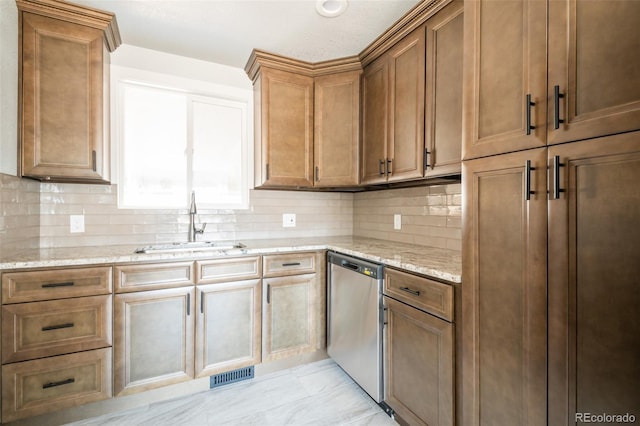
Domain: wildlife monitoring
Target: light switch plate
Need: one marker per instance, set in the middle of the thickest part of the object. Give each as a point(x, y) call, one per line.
point(288, 220)
point(76, 223)
point(397, 221)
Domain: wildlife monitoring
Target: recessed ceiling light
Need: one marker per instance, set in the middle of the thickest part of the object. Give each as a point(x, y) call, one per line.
point(331, 8)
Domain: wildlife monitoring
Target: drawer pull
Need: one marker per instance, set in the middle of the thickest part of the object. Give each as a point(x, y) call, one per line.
point(408, 290)
point(52, 285)
point(57, 326)
point(60, 383)
point(291, 264)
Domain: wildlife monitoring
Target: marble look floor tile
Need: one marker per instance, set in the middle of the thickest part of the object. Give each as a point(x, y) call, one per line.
point(315, 394)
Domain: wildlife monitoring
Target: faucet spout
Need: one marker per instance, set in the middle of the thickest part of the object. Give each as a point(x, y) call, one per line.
point(193, 211)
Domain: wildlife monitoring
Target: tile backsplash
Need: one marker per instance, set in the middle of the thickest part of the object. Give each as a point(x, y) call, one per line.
point(37, 215)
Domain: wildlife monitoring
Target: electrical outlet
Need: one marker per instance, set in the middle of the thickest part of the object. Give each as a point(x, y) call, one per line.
point(76, 223)
point(397, 221)
point(289, 220)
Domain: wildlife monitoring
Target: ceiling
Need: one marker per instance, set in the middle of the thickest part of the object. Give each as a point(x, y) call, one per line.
point(226, 31)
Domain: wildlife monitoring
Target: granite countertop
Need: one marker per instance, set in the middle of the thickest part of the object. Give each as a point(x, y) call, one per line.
point(434, 262)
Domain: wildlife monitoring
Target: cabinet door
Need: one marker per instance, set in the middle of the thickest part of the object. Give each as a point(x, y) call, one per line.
point(375, 110)
point(285, 130)
point(153, 339)
point(596, 71)
point(290, 316)
point(62, 97)
point(406, 106)
point(419, 365)
point(505, 51)
point(443, 118)
point(504, 296)
point(228, 327)
point(337, 129)
point(594, 332)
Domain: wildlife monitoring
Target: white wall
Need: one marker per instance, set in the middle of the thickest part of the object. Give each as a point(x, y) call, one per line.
point(8, 87)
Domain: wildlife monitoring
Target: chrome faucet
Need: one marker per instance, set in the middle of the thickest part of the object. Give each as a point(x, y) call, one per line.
point(193, 211)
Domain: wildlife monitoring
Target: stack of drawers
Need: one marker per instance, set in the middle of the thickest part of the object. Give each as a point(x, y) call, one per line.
point(56, 339)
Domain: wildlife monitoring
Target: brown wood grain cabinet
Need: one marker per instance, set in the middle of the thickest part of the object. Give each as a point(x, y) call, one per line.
point(393, 113)
point(419, 349)
point(56, 339)
point(153, 339)
point(63, 91)
point(294, 300)
point(443, 92)
point(336, 138)
point(516, 96)
point(229, 314)
point(504, 290)
point(550, 290)
point(594, 332)
point(283, 103)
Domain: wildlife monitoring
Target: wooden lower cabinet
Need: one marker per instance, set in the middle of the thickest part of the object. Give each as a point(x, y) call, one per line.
point(594, 253)
point(153, 339)
point(39, 386)
point(419, 365)
point(504, 287)
point(228, 326)
point(290, 316)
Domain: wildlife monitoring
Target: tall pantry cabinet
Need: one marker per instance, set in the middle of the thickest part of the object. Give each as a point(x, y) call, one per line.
point(552, 160)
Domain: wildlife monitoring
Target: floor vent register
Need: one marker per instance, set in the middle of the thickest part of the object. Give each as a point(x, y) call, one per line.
point(227, 377)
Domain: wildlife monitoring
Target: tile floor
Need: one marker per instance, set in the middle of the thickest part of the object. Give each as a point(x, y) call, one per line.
point(319, 393)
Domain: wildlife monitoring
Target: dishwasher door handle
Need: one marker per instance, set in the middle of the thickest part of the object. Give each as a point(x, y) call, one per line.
point(349, 265)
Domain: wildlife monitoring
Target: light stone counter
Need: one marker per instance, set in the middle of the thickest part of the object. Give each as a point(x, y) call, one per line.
point(434, 262)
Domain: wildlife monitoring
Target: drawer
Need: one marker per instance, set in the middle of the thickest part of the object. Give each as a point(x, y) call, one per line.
point(43, 385)
point(41, 329)
point(224, 270)
point(430, 296)
point(48, 284)
point(279, 265)
point(153, 276)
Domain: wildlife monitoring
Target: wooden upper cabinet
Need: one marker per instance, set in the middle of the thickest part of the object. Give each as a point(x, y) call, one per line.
point(594, 62)
point(284, 129)
point(505, 53)
point(375, 108)
point(64, 115)
point(443, 93)
point(337, 129)
point(593, 84)
point(393, 113)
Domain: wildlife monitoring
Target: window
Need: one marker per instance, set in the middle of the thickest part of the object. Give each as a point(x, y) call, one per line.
point(172, 141)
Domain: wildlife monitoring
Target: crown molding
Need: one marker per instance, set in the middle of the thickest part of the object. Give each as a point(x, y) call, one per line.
point(82, 15)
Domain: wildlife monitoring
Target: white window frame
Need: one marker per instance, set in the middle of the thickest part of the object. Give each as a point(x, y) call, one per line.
point(194, 90)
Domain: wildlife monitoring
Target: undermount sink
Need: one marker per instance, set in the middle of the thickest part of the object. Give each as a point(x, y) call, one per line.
point(190, 246)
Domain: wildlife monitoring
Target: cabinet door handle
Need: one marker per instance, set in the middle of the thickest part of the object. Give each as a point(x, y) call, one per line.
point(188, 304)
point(556, 107)
point(202, 302)
point(408, 290)
point(94, 160)
point(291, 264)
point(58, 326)
point(60, 383)
point(381, 169)
point(389, 161)
point(426, 159)
point(268, 293)
point(528, 106)
point(317, 174)
point(527, 181)
point(556, 177)
point(53, 285)
point(267, 171)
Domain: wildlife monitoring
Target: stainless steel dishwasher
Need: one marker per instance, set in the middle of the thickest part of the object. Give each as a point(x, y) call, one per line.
point(354, 316)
